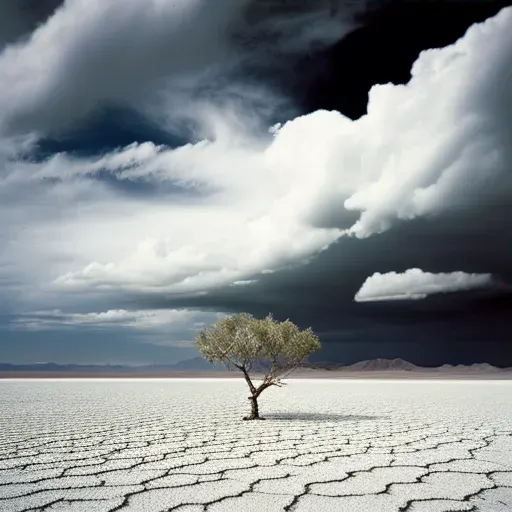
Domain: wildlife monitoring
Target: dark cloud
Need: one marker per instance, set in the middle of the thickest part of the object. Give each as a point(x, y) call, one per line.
point(105, 130)
point(18, 18)
point(471, 236)
point(119, 52)
point(457, 328)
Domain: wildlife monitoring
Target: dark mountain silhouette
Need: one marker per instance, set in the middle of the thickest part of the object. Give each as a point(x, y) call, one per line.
point(380, 365)
point(197, 364)
point(383, 364)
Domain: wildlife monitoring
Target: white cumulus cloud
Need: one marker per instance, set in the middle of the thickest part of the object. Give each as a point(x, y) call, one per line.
point(417, 284)
point(435, 144)
point(251, 203)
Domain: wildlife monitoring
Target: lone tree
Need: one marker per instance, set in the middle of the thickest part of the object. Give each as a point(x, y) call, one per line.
point(248, 344)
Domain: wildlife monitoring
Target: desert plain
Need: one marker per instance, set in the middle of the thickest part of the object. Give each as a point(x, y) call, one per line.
point(339, 445)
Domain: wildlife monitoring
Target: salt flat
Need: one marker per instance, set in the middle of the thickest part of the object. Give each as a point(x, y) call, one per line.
point(155, 445)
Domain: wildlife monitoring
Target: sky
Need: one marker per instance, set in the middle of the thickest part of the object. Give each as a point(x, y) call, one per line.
point(346, 165)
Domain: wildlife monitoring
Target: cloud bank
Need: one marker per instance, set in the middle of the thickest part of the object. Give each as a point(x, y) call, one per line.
point(417, 284)
point(235, 202)
point(167, 322)
point(144, 54)
point(416, 153)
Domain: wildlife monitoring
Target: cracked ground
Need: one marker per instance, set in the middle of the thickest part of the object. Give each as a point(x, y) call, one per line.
point(181, 445)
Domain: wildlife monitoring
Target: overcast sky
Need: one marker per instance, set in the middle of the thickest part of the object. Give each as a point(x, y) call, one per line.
point(347, 165)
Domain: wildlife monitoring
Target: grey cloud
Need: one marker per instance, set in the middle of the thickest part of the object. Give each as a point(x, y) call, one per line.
point(320, 294)
point(18, 18)
point(465, 227)
point(92, 53)
point(144, 320)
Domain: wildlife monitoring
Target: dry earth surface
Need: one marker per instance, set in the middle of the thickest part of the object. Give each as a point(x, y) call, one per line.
point(327, 445)
point(303, 373)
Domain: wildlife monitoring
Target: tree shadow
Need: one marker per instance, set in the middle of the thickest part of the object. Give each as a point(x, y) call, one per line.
point(312, 416)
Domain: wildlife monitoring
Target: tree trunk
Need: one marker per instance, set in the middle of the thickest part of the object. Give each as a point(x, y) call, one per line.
point(254, 409)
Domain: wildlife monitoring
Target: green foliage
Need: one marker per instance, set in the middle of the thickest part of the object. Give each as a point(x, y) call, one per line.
point(244, 342)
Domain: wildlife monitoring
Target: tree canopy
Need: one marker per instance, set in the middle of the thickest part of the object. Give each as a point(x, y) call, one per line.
point(265, 346)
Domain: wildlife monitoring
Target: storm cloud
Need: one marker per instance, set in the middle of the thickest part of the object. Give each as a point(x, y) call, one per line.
point(259, 211)
point(244, 202)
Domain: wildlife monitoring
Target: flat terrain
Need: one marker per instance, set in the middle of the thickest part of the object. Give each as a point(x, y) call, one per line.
point(299, 374)
point(327, 445)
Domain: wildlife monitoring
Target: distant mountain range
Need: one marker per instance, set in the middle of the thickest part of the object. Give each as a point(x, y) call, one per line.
point(380, 365)
point(195, 364)
point(198, 364)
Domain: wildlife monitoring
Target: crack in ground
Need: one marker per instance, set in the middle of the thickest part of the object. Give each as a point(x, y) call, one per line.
point(207, 448)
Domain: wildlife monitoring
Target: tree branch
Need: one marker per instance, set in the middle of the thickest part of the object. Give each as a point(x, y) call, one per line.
point(248, 379)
